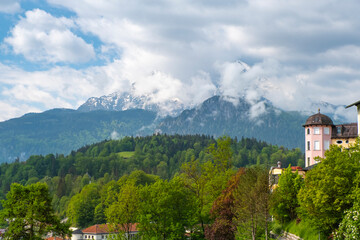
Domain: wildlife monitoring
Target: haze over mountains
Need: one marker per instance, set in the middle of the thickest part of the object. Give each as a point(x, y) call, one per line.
point(118, 115)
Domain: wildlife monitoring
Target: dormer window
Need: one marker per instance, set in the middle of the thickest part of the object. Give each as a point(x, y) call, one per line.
point(338, 129)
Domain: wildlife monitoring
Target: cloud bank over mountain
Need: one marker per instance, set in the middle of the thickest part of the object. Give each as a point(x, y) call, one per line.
point(60, 53)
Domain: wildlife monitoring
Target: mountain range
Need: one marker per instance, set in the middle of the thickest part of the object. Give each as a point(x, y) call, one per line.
point(117, 115)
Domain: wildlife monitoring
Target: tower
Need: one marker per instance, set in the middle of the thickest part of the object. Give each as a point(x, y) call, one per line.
point(318, 130)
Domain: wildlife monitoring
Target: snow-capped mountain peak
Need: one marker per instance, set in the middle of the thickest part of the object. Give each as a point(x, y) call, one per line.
point(120, 101)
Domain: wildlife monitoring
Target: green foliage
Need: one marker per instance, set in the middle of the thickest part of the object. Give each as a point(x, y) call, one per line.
point(142, 159)
point(223, 211)
point(29, 214)
point(81, 209)
point(350, 225)
point(207, 180)
point(221, 153)
point(252, 203)
point(166, 210)
point(276, 228)
point(303, 229)
point(284, 200)
point(328, 188)
point(123, 212)
point(126, 154)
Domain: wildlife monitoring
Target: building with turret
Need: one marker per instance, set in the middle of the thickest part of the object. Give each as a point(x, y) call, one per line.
point(320, 133)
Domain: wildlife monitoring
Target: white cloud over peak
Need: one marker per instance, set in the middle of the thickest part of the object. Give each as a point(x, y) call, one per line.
point(40, 37)
point(295, 53)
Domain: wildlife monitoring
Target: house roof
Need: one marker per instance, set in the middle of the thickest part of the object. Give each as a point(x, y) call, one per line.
point(310, 167)
point(98, 228)
point(318, 119)
point(77, 231)
point(104, 228)
point(345, 131)
point(54, 238)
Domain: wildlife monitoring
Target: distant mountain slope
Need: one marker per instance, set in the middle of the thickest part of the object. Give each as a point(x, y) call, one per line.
point(217, 116)
point(63, 130)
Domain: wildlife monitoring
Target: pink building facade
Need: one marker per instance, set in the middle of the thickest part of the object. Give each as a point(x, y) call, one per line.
point(318, 131)
point(317, 141)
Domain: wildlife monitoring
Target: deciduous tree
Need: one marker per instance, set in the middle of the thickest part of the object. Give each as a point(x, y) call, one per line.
point(252, 203)
point(223, 211)
point(123, 213)
point(328, 188)
point(166, 210)
point(27, 209)
point(284, 201)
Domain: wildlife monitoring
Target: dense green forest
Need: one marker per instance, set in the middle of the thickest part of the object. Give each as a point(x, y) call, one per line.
point(161, 155)
point(178, 186)
point(89, 184)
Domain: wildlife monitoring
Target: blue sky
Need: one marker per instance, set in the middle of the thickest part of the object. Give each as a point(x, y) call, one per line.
point(59, 53)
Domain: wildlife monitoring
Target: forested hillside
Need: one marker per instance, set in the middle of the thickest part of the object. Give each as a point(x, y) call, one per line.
point(160, 155)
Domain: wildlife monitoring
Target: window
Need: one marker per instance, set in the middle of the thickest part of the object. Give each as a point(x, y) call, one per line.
point(308, 161)
point(308, 145)
point(316, 130)
point(326, 145)
point(339, 142)
point(347, 141)
point(326, 131)
point(308, 131)
point(338, 129)
point(316, 145)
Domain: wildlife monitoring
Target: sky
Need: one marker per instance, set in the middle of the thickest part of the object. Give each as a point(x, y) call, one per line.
point(296, 54)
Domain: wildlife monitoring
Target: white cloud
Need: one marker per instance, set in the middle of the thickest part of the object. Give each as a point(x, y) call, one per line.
point(41, 37)
point(9, 6)
point(296, 52)
point(11, 110)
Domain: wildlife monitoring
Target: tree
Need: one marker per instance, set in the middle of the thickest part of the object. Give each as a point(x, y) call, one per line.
point(224, 227)
point(328, 188)
point(166, 210)
point(284, 201)
point(207, 180)
point(222, 152)
point(349, 227)
point(123, 213)
point(29, 214)
point(81, 208)
point(252, 203)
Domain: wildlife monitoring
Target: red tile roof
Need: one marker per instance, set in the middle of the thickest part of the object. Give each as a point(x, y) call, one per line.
point(98, 228)
point(54, 238)
point(104, 228)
